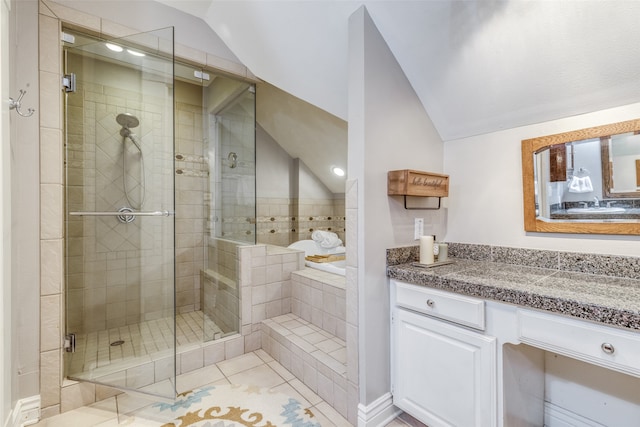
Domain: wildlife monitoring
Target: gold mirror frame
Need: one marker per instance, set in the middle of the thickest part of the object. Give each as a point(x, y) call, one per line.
point(534, 145)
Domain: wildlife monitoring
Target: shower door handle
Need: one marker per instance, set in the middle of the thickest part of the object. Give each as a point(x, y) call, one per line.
point(118, 213)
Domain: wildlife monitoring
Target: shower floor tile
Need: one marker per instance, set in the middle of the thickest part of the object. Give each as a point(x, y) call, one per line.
point(118, 349)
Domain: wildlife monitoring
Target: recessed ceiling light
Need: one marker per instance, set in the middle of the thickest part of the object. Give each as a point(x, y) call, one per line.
point(338, 171)
point(134, 53)
point(113, 47)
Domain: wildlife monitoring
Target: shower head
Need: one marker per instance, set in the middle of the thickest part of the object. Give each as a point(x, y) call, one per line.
point(127, 120)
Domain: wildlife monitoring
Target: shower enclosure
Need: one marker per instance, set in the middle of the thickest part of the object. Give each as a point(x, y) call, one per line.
point(149, 267)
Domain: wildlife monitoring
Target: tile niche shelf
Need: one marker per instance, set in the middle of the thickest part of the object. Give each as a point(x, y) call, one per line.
point(412, 183)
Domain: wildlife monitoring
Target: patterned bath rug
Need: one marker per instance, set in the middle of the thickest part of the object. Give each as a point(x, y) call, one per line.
point(227, 406)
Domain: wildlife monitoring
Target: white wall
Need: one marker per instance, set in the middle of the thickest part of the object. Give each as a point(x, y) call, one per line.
point(280, 176)
point(625, 150)
point(485, 196)
point(274, 168)
point(388, 130)
point(310, 187)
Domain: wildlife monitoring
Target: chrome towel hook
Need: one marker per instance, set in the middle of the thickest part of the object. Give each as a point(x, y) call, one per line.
point(15, 104)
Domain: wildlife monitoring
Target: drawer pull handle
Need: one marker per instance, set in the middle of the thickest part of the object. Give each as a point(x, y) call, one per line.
point(608, 348)
point(431, 303)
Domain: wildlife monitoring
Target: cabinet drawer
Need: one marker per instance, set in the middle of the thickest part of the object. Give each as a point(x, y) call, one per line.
point(445, 305)
point(601, 345)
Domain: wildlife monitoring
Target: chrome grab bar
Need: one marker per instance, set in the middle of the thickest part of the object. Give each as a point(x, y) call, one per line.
point(117, 213)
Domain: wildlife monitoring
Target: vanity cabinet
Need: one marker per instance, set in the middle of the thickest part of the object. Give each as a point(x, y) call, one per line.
point(458, 360)
point(443, 373)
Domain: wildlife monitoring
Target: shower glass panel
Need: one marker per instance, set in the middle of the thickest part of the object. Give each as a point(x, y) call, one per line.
point(229, 122)
point(120, 274)
point(232, 134)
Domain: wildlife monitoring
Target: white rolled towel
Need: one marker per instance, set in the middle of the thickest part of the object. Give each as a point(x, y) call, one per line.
point(326, 239)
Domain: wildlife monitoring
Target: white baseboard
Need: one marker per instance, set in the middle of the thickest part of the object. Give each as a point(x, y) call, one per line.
point(25, 413)
point(378, 413)
point(555, 416)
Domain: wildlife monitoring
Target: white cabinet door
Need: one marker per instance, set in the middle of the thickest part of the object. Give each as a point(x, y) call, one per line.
point(443, 374)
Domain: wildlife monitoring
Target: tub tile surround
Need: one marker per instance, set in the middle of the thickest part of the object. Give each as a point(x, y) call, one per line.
point(315, 357)
point(320, 298)
point(328, 215)
point(310, 341)
point(600, 288)
point(352, 301)
point(282, 221)
point(298, 316)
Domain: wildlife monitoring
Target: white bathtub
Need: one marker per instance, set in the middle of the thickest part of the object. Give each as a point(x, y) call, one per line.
point(311, 248)
point(336, 267)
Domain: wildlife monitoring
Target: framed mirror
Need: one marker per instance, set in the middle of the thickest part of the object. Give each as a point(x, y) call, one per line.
point(583, 181)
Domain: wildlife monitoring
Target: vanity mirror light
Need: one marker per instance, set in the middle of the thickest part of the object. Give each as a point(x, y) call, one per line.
point(583, 181)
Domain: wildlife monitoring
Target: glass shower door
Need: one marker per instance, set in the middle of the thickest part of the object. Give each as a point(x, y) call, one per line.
point(120, 257)
point(229, 107)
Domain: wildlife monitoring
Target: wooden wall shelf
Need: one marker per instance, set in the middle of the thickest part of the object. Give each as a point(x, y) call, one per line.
point(407, 182)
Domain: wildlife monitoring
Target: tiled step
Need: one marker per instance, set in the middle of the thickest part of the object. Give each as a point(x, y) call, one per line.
point(311, 354)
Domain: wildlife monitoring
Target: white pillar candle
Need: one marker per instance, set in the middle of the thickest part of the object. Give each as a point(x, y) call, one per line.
point(426, 250)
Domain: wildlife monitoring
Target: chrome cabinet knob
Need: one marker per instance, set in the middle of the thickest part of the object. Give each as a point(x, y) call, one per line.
point(431, 303)
point(607, 348)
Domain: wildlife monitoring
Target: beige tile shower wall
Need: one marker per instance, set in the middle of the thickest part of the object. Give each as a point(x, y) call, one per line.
point(75, 157)
point(220, 289)
point(191, 175)
point(223, 257)
point(124, 270)
point(221, 304)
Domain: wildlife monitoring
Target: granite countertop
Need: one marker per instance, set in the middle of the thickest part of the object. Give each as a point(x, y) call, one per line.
point(605, 299)
point(628, 214)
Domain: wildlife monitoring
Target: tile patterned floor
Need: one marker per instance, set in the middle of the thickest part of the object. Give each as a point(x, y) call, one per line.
point(256, 368)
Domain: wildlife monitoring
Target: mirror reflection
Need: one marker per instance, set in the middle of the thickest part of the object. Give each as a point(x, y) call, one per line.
point(584, 181)
point(621, 163)
point(589, 179)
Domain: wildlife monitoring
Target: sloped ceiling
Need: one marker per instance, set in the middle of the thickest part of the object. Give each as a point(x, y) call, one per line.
point(477, 66)
point(304, 131)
